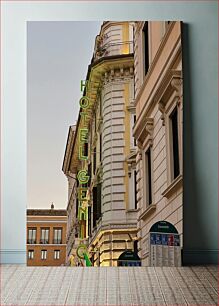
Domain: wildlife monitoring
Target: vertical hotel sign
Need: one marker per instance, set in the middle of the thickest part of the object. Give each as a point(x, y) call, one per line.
point(82, 175)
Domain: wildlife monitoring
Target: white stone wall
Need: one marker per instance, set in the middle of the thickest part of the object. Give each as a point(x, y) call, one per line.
point(113, 153)
point(116, 95)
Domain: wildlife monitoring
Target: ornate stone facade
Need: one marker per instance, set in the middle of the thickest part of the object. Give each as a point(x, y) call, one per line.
point(158, 99)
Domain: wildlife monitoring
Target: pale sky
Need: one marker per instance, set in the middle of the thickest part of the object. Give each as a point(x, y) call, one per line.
point(58, 54)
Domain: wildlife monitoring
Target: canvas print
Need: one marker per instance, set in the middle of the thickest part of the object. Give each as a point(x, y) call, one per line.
point(122, 151)
point(120, 205)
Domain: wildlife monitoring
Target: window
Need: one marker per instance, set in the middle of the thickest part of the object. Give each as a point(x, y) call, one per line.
point(89, 220)
point(31, 236)
point(148, 177)
point(96, 203)
point(86, 149)
point(145, 48)
point(132, 192)
point(99, 195)
point(57, 238)
point(43, 254)
point(30, 254)
point(135, 188)
point(44, 236)
point(57, 254)
point(135, 144)
point(175, 143)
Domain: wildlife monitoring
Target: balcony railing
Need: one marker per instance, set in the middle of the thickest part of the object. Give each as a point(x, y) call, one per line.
point(57, 241)
point(31, 241)
point(114, 48)
point(44, 241)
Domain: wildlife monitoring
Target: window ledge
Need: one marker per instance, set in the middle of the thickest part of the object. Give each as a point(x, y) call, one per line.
point(150, 209)
point(176, 184)
point(132, 210)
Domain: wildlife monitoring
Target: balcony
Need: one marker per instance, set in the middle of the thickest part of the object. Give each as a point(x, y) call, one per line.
point(31, 241)
point(113, 49)
point(57, 241)
point(44, 241)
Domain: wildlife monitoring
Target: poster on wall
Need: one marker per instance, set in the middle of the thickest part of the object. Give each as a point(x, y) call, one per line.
point(164, 245)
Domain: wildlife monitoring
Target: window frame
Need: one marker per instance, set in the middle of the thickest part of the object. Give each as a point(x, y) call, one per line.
point(55, 240)
point(174, 140)
point(30, 252)
point(143, 48)
point(45, 254)
point(57, 252)
point(132, 181)
point(171, 105)
point(31, 239)
point(145, 179)
point(43, 240)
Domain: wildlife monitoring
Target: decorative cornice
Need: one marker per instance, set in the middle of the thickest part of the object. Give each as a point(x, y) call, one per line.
point(144, 130)
point(112, 74)
point(172, 83)
point(47, 212)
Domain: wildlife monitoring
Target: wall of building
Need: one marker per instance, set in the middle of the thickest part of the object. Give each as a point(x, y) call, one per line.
point(50, 260)
point(50, 222)
point(165, 50)
point(116, 95)
point(107, 248)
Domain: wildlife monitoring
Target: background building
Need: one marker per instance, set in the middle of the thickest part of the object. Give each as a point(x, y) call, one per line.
point(158, 127)
point(73, 226)
point(46, 237)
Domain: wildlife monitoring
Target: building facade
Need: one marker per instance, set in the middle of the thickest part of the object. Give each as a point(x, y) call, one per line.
point(73, 238)
point(107, 215)
point(158, 128)
point(46, 237)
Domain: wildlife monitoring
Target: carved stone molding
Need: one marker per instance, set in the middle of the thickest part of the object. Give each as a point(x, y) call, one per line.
point(176, 83)
point(144, 130)
point(161, 108)
point(114, 73)
point(172, 83)
point(149, 126)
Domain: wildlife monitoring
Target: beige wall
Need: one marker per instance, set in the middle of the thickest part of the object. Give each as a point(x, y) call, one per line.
point(157, 94)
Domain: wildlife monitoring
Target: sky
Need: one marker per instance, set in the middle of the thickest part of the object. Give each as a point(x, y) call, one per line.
point(58, 55)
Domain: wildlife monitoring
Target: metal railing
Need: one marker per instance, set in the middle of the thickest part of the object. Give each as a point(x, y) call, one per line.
point(44, 241)
point(57, 241)
point(31, 241)
point(116, 48)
